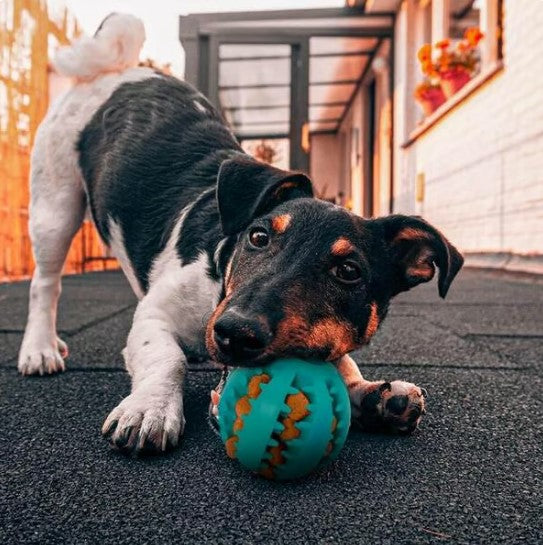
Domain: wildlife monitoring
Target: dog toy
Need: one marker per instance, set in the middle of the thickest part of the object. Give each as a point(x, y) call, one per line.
point(284, 420)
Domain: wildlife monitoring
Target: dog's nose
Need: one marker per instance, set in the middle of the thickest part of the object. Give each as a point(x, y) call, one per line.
point(241, 337)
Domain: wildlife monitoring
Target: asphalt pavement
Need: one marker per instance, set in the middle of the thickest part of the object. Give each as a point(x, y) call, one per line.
point(472, 473)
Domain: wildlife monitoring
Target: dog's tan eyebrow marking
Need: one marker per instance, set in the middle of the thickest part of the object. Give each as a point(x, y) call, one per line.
point(373, 323)
point(342, 247)
point(280, 223)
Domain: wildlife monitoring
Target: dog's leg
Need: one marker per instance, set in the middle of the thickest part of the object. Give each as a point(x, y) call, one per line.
point(56, 211)
point(382, 406)
point(151, 417)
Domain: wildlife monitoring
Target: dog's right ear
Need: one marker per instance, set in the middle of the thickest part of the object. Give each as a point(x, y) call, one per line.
point(247, 189)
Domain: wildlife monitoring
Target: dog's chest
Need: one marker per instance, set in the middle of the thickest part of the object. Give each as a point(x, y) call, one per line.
point(188, 296)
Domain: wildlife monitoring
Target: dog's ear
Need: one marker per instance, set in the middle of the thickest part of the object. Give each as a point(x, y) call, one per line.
point(247, 189)
point(415, 248)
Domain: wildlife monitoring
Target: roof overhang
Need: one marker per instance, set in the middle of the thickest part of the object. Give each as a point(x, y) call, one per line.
point(378, 6)
point(254, 80)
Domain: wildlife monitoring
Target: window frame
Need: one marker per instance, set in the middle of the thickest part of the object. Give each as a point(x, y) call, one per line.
point(491, 23)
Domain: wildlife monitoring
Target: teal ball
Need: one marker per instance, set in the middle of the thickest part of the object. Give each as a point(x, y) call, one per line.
point(285, 419)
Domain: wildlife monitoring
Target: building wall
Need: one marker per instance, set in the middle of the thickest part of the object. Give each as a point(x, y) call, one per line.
point(352, 129)
point(482, 162)
point(325, 167)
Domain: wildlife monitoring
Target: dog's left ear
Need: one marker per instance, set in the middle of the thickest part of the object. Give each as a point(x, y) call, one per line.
point(415, 249)
point(247, 189)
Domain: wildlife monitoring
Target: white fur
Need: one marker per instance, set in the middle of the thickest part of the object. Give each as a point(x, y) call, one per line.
point(180, 298)
point(168, 257)
point(116, 243)
point(58, 204)
point(199, 106)
point(174, 311)
point(57, 208)
point(114, 48)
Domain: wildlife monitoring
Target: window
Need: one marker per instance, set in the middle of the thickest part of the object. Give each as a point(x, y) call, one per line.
point(463, 14)
point(464, 48)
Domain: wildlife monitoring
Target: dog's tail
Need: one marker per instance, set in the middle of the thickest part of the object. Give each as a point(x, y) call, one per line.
point(115, 46)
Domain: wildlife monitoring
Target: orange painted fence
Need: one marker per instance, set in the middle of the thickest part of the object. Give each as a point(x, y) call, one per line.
point(29, 34)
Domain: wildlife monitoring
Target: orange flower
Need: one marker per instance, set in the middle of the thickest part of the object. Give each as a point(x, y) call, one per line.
point(425, 53)
point(444, 60)
point(426, 67)
point(463, 46)
point(473, 35)
point(443, 44)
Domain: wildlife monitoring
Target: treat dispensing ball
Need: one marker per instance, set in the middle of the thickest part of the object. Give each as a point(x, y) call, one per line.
point(285, 419)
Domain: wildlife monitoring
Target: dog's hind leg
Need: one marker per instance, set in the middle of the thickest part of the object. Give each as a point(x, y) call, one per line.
point(57, 209)
point(382, 406)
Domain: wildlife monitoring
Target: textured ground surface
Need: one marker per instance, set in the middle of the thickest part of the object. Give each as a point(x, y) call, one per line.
point(473, 473)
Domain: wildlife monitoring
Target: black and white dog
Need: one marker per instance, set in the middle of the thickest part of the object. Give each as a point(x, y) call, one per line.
point(228, 256)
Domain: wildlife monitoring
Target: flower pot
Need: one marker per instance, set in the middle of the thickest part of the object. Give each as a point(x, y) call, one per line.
point(452, 81)
point(430, 100)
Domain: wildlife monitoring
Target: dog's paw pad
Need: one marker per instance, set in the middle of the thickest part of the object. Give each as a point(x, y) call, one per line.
point(389, 406)
point(145, 423)
point(62, 348)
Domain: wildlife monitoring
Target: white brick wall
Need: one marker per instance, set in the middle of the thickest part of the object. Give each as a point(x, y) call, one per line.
point(483, 162)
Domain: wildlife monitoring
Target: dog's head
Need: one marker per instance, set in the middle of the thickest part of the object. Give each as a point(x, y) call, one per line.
point(307, 278)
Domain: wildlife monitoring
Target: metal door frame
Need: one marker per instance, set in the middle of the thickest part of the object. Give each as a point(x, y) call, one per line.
point(299, 86)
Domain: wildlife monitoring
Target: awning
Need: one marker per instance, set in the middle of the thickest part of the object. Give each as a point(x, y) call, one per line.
point(253, 82)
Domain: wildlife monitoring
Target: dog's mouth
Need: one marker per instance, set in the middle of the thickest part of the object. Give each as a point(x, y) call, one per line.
point(235, 356)
point(244, 338)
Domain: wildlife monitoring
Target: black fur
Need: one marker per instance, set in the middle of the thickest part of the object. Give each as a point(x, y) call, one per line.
point(247, 189)
point(149, 153)
point(146, 154)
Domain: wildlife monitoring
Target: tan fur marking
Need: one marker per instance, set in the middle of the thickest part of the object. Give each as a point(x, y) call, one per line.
point(411, 233)
point(210, 343)
point(284, 187)
point(342, 247)
point(294, 331)
point(373, 323)
point(229, 285)
point(280, 223)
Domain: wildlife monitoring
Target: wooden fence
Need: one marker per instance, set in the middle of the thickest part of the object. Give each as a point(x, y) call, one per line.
point(29, 34)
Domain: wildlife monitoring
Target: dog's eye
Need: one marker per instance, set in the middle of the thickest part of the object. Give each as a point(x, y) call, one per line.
point(258, 237)
point(347, 272)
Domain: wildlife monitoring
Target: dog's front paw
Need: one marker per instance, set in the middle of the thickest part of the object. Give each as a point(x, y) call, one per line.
point(42, 358)
point(146, 421)
point(388, 406)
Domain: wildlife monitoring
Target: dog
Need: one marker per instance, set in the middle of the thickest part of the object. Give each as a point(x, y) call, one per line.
point(228, 256)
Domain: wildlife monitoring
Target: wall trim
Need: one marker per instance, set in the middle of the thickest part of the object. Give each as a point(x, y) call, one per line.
point(505, 261)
